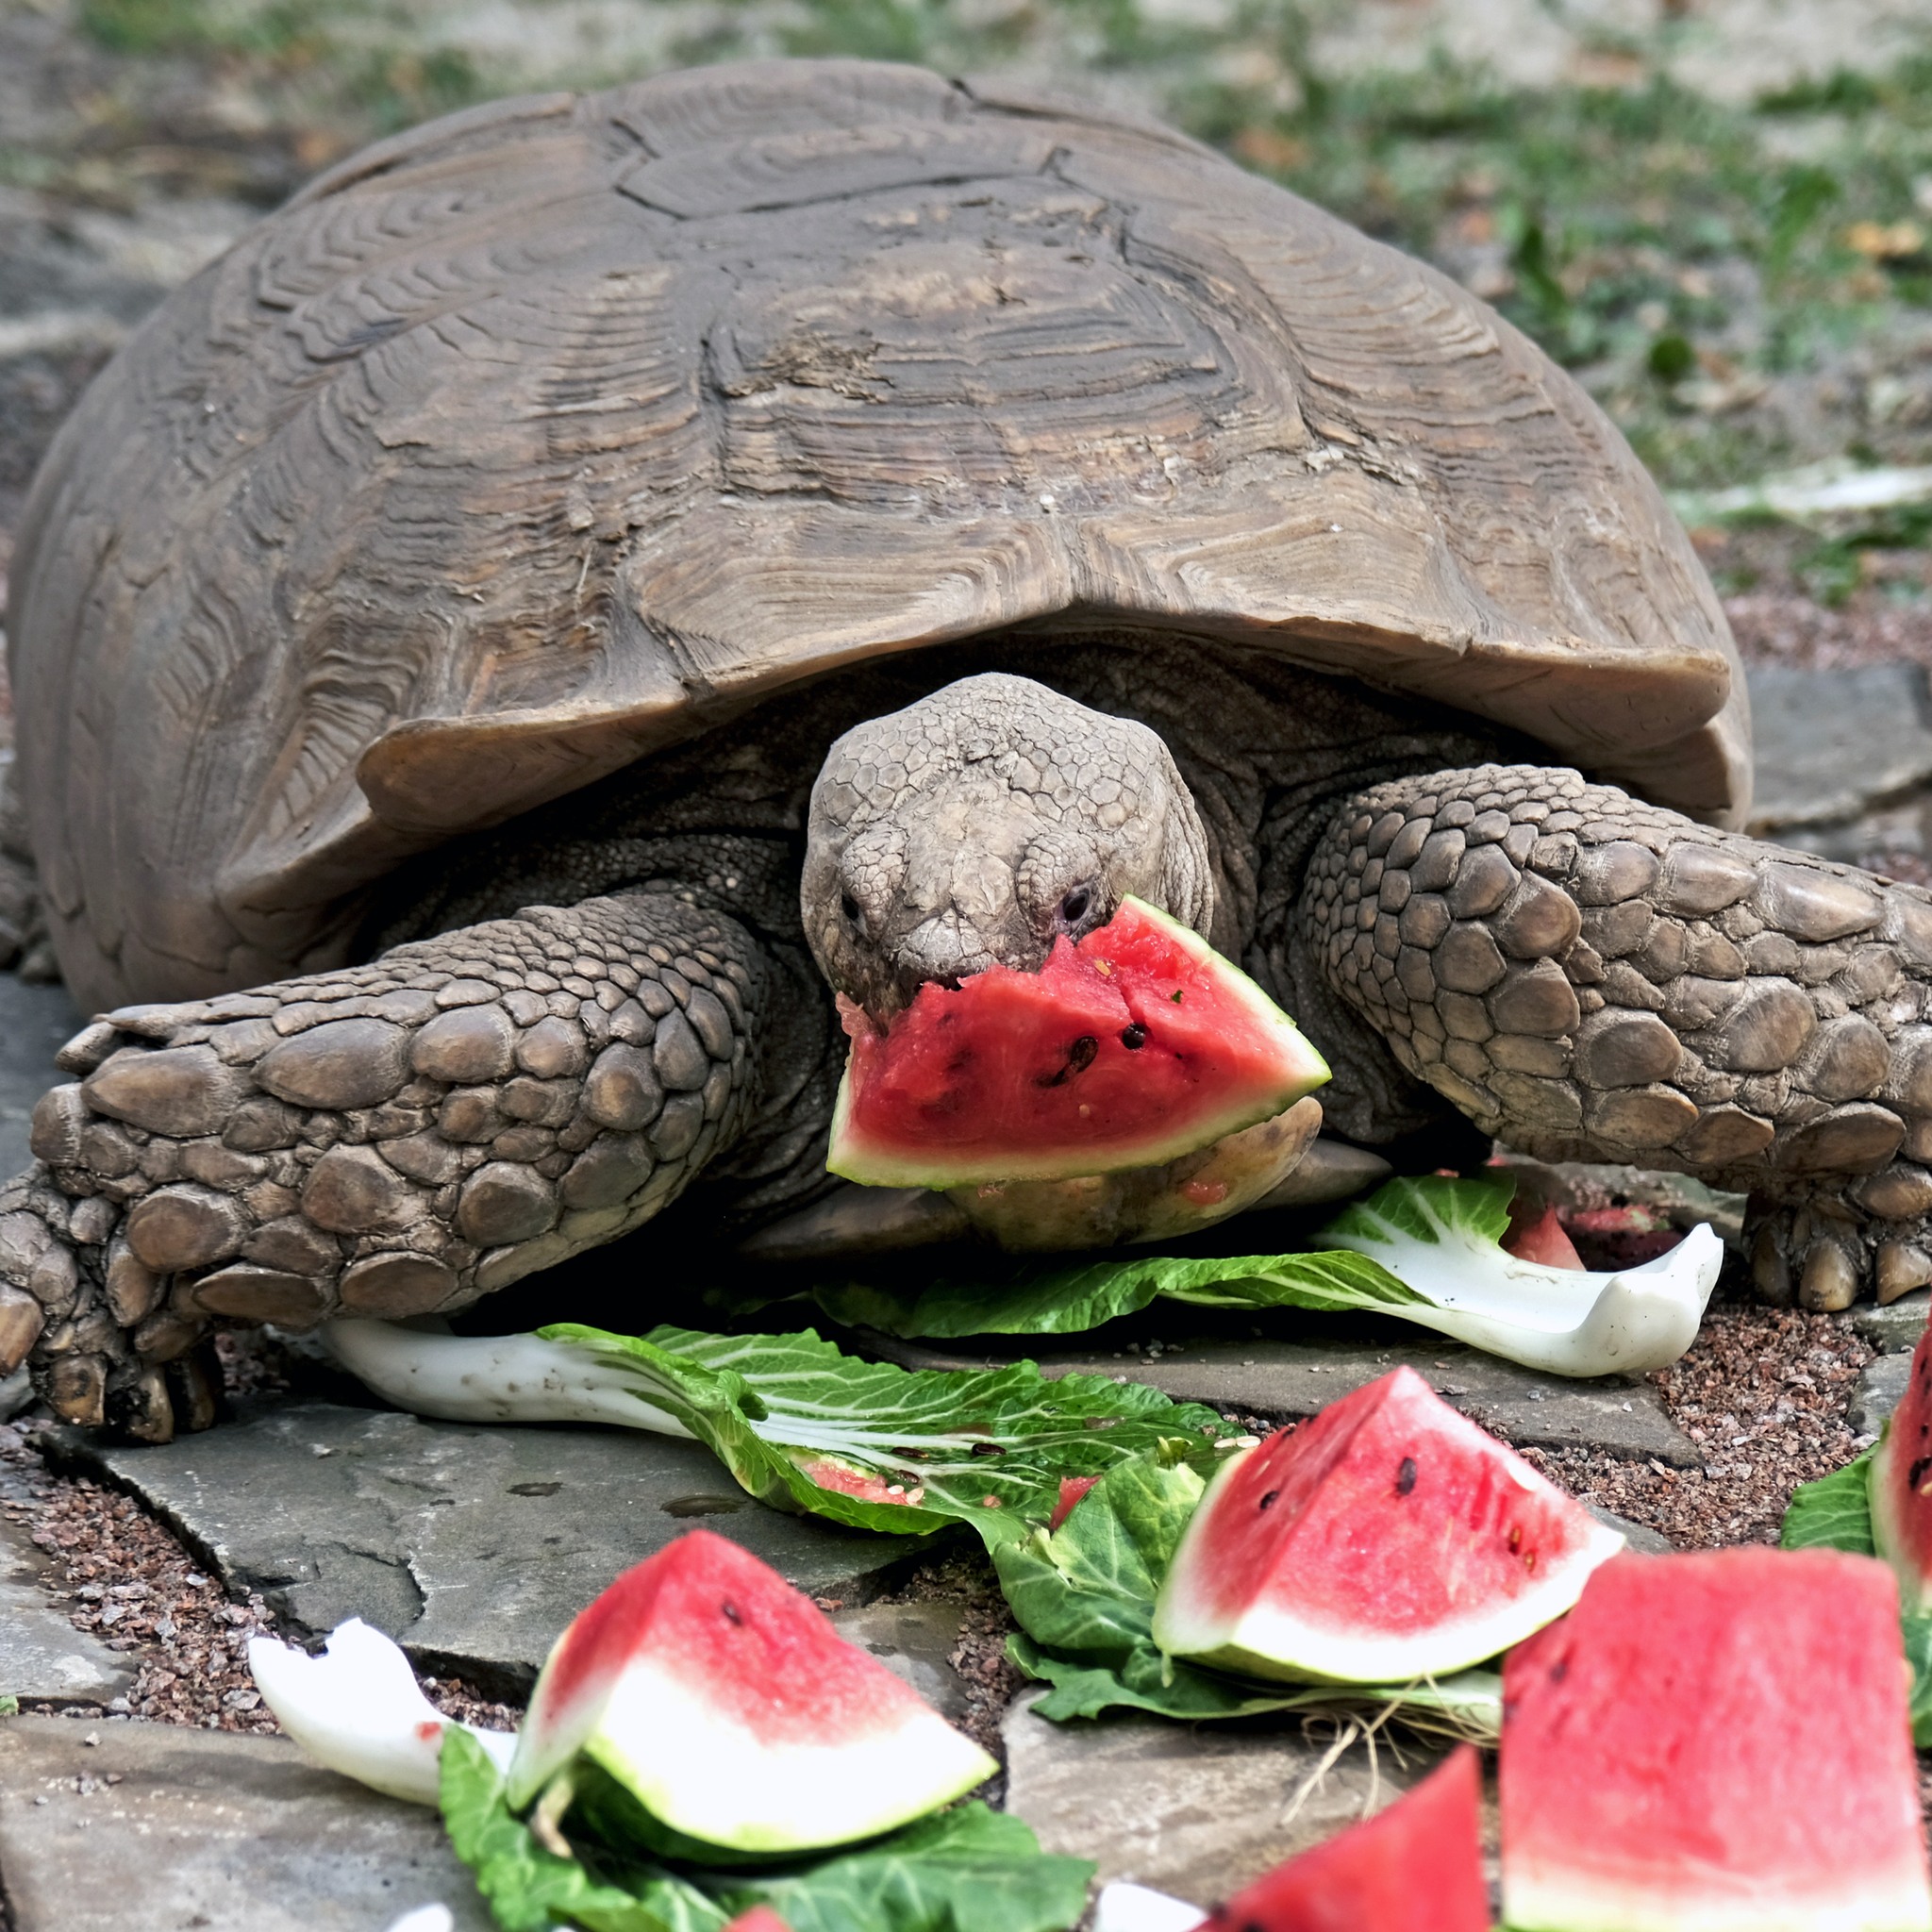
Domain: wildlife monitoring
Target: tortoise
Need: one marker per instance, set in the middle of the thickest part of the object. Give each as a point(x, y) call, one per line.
point(595, 576)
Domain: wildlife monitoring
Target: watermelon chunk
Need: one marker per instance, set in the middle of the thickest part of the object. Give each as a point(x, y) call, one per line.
point(725, 1704)
point(1134, 1047)
point(760, 1918)
point(1416, 1867)
point(1715, 1743)
point(1901, 1484)
point(1389, 1539)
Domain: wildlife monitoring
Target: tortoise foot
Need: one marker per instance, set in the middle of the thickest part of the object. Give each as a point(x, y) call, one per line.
point(392, 1139)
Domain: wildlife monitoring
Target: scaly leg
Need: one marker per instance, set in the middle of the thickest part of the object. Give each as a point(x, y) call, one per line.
point(1588, 978)
point(389, 1140)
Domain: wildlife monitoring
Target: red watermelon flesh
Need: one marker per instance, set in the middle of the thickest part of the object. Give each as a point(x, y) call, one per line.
point(1901, 1484)
point(1715, 1743)
point(1071, 1489)
point(1138, 1045)
point(731, 1710)
point(1416, 1867)
point(1388, 1539)
point(760, 1918)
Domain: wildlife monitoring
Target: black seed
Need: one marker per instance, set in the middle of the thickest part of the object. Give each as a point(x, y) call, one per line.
point(1559, 1670)
point(1175, 995)
point(1134, 1037)
point(1268, 1501)
point(1080, 1055)
point(987, 1449)
point(1405, 1476)
point(732, 1615)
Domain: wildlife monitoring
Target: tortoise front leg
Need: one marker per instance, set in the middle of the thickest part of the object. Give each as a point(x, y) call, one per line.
point(1589, 977)
point(387, 1140)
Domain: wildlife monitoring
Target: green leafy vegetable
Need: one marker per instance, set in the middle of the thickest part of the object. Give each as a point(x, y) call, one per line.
point(802, 1425)
point(1062, 1301)
point(1835, 1514)
point(1427, 1249)
point(965, 1870)
point(1083, 1598)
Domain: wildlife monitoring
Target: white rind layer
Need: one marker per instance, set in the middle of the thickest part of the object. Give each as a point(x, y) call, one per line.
point(701, 1773)
point(1577, 1901)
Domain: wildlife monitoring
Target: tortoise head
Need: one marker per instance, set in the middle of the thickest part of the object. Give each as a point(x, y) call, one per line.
point(978, 825)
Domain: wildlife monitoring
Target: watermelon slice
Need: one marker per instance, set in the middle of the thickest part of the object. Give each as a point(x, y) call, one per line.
point(1417, 1866)
point(1715, 1743)
point(1901, 1484)
point(725, 1704)
point(1071, 1489)
point(760, 1918)
point(1387, 1540)
point(1131, 1049)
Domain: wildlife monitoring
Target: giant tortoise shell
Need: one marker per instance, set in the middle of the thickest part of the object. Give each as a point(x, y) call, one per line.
point(535, 438)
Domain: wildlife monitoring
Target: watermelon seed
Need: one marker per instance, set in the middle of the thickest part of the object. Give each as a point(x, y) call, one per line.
point(1559, 1670)
point(1405, 1476)
point(1268, 1501)
point(731, 1614)
point(1080, 1058)
point(1134, 1037)
point(1516, 1539)
point(1529, 1560)
point(1175, 995)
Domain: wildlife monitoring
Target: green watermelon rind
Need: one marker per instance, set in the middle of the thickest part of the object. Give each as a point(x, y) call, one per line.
point(877, 1167)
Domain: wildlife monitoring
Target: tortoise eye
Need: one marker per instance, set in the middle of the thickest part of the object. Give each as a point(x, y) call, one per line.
point(849, 907)
point(1074, 906)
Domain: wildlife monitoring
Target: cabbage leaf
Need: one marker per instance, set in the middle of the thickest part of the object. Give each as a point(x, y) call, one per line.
point(964, 1869)
point(1426, 1249)
point(800, 1424)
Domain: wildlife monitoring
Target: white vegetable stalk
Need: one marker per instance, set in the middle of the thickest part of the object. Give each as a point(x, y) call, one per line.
point(1562, 1321)
point(1122, 1908)
point(358, 1709)
point(494, 1378)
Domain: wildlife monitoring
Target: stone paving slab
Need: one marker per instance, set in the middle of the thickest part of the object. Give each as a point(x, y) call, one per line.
point(35, 1023)
point(1283, 1381)
point(1196, 1811)
point(209, 1831)
point(1896, 1328)
point(473, 1547)
point(41, 1655)
point(1880, 1390)
point(1830, 744)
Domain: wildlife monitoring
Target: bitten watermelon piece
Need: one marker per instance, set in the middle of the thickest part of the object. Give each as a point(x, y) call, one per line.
point(1416, 1867)
point(1901, 1484)
point(1715, 1743)
point(1389, 1539)
point(724, 1704)
point(1131, 1049)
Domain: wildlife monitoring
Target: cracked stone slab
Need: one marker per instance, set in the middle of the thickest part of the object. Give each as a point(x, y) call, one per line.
point(154, 1828)
point(1198, 1811)
point(1283, 1381)
point(473, 1547)
point(1830, 744)
point(1880, 1390)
